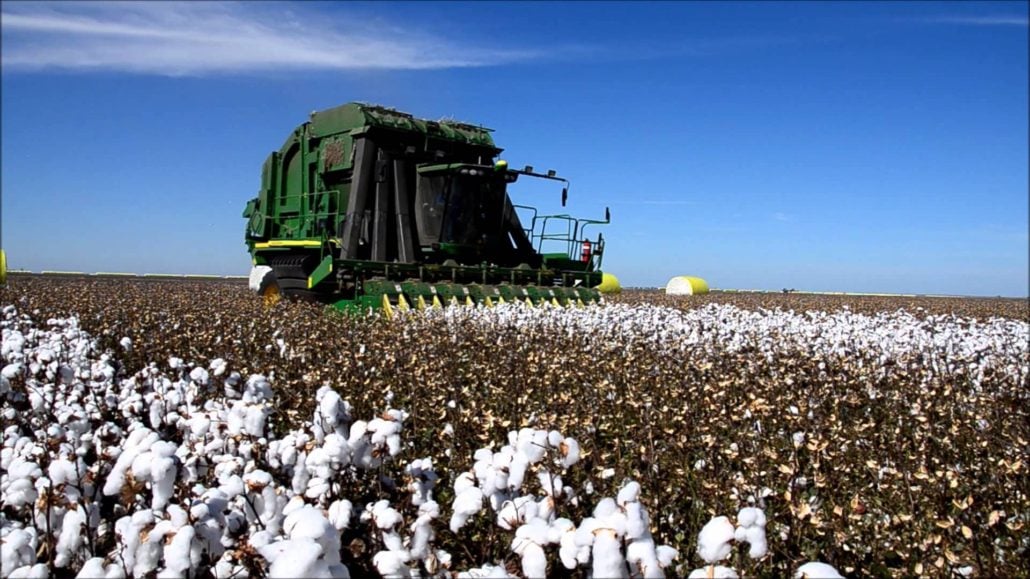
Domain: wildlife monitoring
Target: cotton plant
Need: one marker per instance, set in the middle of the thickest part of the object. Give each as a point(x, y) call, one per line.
point(193, 475)
point(718, 536)
point(522, 484)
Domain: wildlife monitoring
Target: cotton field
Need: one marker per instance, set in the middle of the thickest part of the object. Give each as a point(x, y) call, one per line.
point(181, 429)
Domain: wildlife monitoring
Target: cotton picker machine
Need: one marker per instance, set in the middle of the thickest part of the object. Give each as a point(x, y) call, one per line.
point(368, 207)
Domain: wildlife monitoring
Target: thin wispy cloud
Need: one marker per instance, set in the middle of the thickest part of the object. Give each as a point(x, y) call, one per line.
point(199, 38)
point(993, 20)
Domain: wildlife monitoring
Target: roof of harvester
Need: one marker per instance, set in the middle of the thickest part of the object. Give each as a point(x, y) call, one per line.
point(356, 116)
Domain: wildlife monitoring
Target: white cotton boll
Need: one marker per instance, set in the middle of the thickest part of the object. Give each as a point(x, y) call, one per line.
point(629, 493)
point(12, 371)
point(554, 439)
point(534, 561)
point(713, 542)
point(568, 549)
point(516, 511)
point(232, 486)
point(177, 553)
point(636, 521)
point(18, 548)
point(385, 516)
point(174, 363)
point(92, 569)
point(465, 480)
point(713, 572)
point(666, 555)
point(517, 470)
point(126, 344)
point(642, 559)
point(37, 571)
point(558, 529)
point(466, 504)
point(607, 556)
point(605, 507)
point(71, 538)
point(756, 539)
point(551, 484)
point(177, 515)
point(20, 492)
point(817, 570)
point(535, 530)
point(483, 455)
point(391, 564)
point(199, 375)
point(162, 473)
point(487, 571)
point(340, 514)
point(292, 558)
point(217, 366)
point(752, 530)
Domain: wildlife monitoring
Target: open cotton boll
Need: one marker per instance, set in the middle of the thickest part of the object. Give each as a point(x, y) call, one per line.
point(713, 572)
point(18, 548)
point(466, 503)
point(292, 558)
point(569, 450)
point(340, 514)
point(391, 564)
point(606, 556)
point(666, 555)
point(629, 493)
point(515, 512)
point(713, 542)
point(92, 569)
point(126, 344)
point(177, 554)
point(817, 570)
point(534, 561)
point(385, 516)
point(70, 539)
point(751, 529)
point(487, 571)
point(37, 571)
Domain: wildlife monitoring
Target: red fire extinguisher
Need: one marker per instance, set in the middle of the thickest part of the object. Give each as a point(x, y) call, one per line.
point(585, 257)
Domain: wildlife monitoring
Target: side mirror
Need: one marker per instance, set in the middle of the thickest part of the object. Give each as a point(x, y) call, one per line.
point(564, 196)
point(607, 214)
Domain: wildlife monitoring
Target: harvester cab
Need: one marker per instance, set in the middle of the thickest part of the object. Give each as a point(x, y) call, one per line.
point(365, 206)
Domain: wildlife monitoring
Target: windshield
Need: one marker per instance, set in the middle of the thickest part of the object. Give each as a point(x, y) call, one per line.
point(458, 209)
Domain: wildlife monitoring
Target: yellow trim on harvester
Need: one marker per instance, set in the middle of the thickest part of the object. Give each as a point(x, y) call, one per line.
point(288, 243)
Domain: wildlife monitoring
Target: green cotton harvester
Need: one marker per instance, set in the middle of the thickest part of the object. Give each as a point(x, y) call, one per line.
point(368, 207)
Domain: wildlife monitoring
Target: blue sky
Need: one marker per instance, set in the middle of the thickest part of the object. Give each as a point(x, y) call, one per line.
point(839, 146)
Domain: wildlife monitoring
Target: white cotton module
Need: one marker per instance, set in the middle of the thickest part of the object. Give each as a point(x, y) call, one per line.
point(817, 570)
point(713, 542)
point(713, 572)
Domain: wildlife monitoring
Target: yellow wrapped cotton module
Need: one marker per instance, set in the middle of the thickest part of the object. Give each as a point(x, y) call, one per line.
point(609, 284)
point(684, 285)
